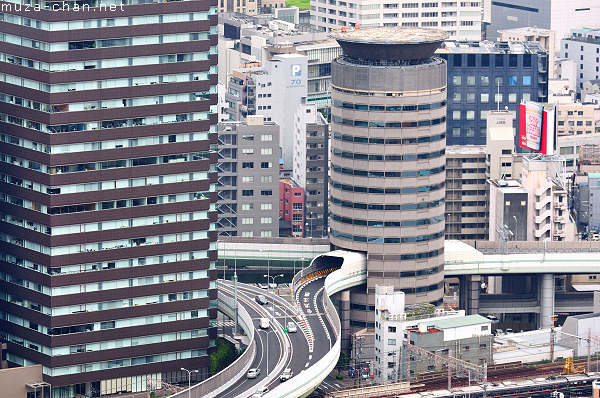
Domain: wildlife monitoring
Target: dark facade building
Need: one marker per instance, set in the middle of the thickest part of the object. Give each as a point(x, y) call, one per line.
point(108, 192)
point(487, 76)
point(388, 162)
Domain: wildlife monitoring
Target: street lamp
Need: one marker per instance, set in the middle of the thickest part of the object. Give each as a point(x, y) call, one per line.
point(268, 287)
point(516, 229)
point(296, 259)
point(235, 298)
point(268, 266)
point(189, 372)
point(267, 344)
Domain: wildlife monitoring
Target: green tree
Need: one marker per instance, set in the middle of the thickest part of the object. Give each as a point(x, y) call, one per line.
point(342, 362)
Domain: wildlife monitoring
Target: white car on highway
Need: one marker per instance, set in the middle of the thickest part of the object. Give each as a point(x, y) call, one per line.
point(261, 392)
point(253, 373)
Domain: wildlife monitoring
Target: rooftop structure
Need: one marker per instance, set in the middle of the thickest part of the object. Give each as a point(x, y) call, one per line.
point(390, 43)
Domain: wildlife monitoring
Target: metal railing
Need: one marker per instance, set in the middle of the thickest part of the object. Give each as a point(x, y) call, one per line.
point(216, 384)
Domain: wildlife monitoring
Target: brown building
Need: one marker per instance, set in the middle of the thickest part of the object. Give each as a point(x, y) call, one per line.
point(108, 192)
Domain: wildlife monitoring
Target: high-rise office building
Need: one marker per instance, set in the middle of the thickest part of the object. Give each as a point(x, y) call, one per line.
point(557, 15)
point(486, 76)
point(388, 161)
point(108, 192)
point(461, 20)
point(249, 178)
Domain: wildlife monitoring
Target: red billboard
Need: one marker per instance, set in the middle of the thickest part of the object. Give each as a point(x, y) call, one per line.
point(536, 128)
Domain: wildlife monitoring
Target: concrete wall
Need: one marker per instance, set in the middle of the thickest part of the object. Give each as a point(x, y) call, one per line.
point(13, 382)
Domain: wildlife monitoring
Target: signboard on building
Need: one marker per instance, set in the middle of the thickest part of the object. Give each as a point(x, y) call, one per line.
point(536, 128)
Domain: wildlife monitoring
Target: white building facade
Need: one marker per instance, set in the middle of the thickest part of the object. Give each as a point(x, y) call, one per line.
point(583, 47)
point(461, 19)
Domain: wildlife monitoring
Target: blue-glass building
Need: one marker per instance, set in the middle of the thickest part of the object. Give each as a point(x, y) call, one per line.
point(483, 76)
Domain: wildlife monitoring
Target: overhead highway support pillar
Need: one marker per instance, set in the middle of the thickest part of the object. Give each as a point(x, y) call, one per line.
point(546, 295)
point(345, 320)
point(469, 286)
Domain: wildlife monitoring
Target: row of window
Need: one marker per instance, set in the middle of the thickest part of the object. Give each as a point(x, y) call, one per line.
point(111, 164)
point(387, 141)
point(120, 323)
point(119, 363)
point(375, 94)
point(107, 62)
point(104, 245)
point(108, 144)
point(389, 174)
point(381, 223)
point(456, 60)
point(107, 124)
point(104, 345)
point(120, 42)
point(484, 98)
point(104, 185)
point(122, 263)
point(388, 108)
point(391, 158)
point(103, 225)
point(94, 85)
point(379, 239)
point(114, 204)
point(107, 22)
point(387, 207)
point(106, 285)
point(106, 305)
point(387, 191)
point(365, 123)
point(484, 81)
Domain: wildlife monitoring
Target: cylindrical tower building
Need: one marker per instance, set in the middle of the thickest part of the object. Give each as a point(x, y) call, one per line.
point(388, 161)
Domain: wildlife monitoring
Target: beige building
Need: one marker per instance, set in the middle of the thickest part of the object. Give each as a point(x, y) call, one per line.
point(248, 7)
point(570, 147)
point(465, 192)
point(575, 118)
point(546, 37)
point(547, 212)
point(23, 382)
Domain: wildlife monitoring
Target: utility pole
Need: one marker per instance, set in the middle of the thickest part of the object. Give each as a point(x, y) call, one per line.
point(589, 347)
point(552, 339)
point(449, 371)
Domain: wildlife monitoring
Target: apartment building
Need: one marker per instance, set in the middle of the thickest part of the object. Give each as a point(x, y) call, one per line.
point(460, 19)
point(310, 169)
point(274, 91)
point(465, 192)
point(583, 47)
point(108, 193)
point(248, 178)
point(258, 39)
point(291, 208)
point(575, 118)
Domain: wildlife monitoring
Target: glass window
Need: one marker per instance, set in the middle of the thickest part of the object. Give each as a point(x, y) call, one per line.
point(457, 60)
point(470, 132)
point(498, 98)
point(470, 98)
point(456, 98)
point(483, 115)
point(499, 58)
point(456, 132)
point(485, 81)
point(457, 80)
point(526, 97)
point(512, 98)
point(512, 80)
point(512, 61)
point(455, 115)
point(485, 60)
point(499, 81)
point(485, 98)
point(470, 81)
point(483, 132)
point(470, 115)
point(527, 80)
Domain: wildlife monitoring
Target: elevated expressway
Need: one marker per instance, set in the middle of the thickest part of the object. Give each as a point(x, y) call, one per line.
point(313, 352)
